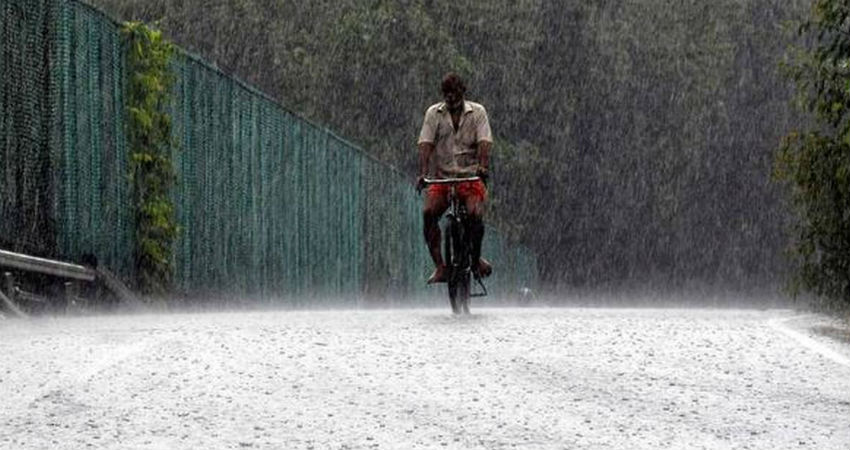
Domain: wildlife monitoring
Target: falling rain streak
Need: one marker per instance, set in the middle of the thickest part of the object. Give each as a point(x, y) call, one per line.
point(634, 140)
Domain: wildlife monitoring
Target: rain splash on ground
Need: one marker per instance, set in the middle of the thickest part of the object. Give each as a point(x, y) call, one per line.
point(499, 379)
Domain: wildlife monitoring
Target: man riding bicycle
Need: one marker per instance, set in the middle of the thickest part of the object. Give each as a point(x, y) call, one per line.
point(454, 142)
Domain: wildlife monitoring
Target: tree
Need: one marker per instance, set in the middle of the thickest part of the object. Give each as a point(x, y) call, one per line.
point(815, 161)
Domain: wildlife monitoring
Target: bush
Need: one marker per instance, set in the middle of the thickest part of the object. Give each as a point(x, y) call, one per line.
point(151, 171)
point(815, 161)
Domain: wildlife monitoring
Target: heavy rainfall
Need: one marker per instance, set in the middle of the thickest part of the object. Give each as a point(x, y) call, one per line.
point(211, 224)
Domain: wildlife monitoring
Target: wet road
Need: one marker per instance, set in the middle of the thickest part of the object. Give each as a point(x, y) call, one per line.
point(502, 378)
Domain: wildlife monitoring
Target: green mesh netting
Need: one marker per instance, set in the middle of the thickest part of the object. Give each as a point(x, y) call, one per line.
point(28, 105)
point(272, 204)
point(94, 214)
point(269, 204)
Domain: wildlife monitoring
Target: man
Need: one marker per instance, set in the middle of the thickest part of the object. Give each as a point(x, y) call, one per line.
point(454, 142)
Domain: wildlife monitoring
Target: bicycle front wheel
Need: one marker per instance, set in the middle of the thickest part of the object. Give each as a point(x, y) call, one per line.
point(462, 285)
point(457, 259)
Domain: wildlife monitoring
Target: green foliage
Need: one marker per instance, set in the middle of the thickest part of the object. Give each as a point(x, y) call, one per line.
point(815, 161)
point(151, 171)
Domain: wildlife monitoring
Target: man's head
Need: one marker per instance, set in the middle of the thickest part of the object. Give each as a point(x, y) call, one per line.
point(453, 89)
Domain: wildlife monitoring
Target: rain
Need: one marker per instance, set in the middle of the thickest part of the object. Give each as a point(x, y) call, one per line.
point(645, 289)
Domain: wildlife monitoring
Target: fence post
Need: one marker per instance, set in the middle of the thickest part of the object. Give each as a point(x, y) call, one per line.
point(71, 296)
point(9, 285)
point(9, 301)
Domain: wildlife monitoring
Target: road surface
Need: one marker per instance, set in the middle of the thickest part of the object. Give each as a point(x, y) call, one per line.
point(500, 379)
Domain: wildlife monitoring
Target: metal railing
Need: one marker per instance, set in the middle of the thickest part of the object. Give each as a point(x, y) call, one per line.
point(46, 266)
point(74, 273)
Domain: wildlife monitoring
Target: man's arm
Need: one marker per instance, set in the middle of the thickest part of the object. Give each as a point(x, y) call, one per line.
point(426, 146)
point(425, 151)
point(484, 158)
point(485, 141)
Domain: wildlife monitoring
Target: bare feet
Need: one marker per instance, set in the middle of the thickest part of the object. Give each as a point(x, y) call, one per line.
point(439, 275)
point(484, 268)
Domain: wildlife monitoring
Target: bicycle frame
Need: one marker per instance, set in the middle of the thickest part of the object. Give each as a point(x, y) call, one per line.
point(458, 248)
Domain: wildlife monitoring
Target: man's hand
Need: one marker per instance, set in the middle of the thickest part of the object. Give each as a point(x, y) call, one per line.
point(483, 173)
point(420, 184)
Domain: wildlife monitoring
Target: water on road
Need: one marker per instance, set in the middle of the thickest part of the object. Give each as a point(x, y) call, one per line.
point(501, 378)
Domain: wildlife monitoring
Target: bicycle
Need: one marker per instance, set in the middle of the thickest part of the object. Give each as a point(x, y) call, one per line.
point(457, 250)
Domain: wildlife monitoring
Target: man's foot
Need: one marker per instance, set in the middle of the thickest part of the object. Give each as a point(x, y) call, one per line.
point(439, 275)
point(484, 268)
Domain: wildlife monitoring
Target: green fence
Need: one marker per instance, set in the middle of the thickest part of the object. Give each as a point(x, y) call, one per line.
point(64, 190)
point(269, 204)
point(29, 94)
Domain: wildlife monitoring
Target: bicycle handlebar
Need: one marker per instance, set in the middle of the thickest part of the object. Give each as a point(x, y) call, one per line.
point(450, 180)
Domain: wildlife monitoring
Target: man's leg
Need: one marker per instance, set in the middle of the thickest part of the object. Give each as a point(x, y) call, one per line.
point(436, 204)
point(474, 200)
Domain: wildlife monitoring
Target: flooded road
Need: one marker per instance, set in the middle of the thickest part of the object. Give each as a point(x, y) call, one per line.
point(502, 378)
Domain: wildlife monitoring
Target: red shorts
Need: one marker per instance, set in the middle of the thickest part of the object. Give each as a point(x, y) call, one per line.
point(466, 189)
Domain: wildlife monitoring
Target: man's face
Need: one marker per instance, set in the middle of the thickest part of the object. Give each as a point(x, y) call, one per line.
point(453, 98)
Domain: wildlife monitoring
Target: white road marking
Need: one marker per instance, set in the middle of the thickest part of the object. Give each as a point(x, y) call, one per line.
point(813, 345)
point(113, 358)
